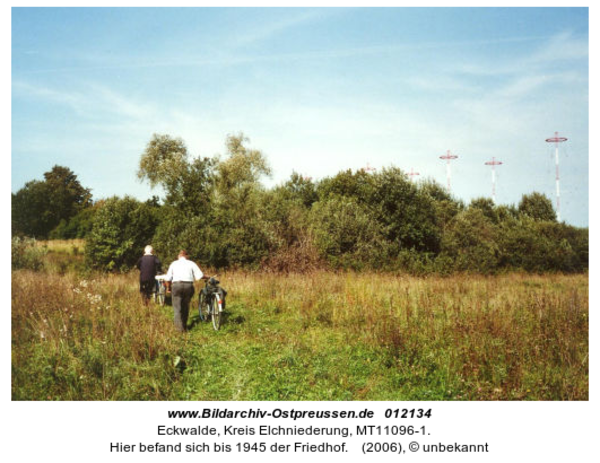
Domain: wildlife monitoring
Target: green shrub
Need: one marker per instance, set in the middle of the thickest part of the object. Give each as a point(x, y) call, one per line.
point(471, 242)
point(537, 206)
point(121, 229)
point(541, 246)
point(77, 226)
point(346, 233)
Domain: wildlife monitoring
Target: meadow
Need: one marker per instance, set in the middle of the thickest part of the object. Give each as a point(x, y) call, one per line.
point(79, 335)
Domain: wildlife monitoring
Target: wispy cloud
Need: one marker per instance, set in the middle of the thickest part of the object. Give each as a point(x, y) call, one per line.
point(232, 55)
point(74, 101)
point(90, 101)
point(562, 47)
point(262, 31)
point(553, 50)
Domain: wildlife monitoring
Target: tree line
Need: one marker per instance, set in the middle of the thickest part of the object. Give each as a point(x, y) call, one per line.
point(218, 209)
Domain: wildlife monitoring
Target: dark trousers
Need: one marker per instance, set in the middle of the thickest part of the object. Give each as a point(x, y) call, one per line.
point(147, 287)
point(182, 295)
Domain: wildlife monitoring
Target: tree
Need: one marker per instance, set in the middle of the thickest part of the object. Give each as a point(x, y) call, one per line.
point(299, 188)
point(358, 185)
point(241, 171)
point(446, 207)
point(39, 206)
point(238, 217)
point(122, 228)
point(212, 206)
point(537, 206)
point(67, 196)
point(163, 162)
point(29, 210)
point(408, 216)
point(486, 206)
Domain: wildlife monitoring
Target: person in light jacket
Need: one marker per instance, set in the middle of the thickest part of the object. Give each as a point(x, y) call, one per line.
point(182, 273)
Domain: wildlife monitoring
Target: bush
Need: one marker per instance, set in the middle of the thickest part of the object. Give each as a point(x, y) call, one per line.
point(346, 233)
point(538, 207)
point(286, 216)
point(541, 246)
point(471, 242)
point(406, 214)
point(26, 254)
point(121, 229)
point(75, 227)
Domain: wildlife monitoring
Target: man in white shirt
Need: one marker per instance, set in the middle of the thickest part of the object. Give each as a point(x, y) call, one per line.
point(182, 273)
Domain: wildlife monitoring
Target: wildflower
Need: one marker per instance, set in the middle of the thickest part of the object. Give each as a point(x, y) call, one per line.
point(94, 298)
point(83, 283)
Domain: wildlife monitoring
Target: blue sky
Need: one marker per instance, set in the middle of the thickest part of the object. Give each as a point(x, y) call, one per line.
point(317, 90)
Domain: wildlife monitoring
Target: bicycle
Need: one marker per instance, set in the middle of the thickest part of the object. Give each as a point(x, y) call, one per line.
point(212, 302)
point(160, 291)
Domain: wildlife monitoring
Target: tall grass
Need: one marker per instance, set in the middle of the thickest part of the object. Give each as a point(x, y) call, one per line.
point(506, 337)
point(72, 247)
point(321, 336)
point(88, 339)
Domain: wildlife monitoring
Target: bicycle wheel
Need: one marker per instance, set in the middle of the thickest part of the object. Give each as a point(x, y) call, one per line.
point(202, 307)
point(216, 310)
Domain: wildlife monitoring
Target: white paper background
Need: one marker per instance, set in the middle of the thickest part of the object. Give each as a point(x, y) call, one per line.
point(515, 431)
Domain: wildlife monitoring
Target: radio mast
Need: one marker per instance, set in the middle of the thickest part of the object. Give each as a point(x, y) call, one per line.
point(556, 140)
point(493, 163)
point(448, 157)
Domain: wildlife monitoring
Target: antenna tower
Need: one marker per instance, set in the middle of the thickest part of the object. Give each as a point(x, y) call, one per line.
point(448, 157)
point(493, 163)
point(411, 174)
point(556, 140)
point(368, 168)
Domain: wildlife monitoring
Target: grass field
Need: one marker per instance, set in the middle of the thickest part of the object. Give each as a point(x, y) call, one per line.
point(323, 336)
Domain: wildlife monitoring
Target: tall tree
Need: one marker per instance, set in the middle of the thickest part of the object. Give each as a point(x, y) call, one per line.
point(163, 161)
point(238, 215)
point(40, 206)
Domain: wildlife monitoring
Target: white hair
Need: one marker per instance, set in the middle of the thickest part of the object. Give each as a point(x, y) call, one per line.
point(148, 249)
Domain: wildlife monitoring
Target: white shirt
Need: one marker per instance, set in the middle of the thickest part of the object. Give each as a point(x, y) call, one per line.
point(183, 270)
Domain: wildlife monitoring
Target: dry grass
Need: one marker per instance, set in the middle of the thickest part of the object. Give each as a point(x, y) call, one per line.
point(75, 246)
point(503, 337)
point(83, 339)
point(317, 336)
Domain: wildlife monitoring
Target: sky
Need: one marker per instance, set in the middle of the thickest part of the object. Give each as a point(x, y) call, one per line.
point(317, 90)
